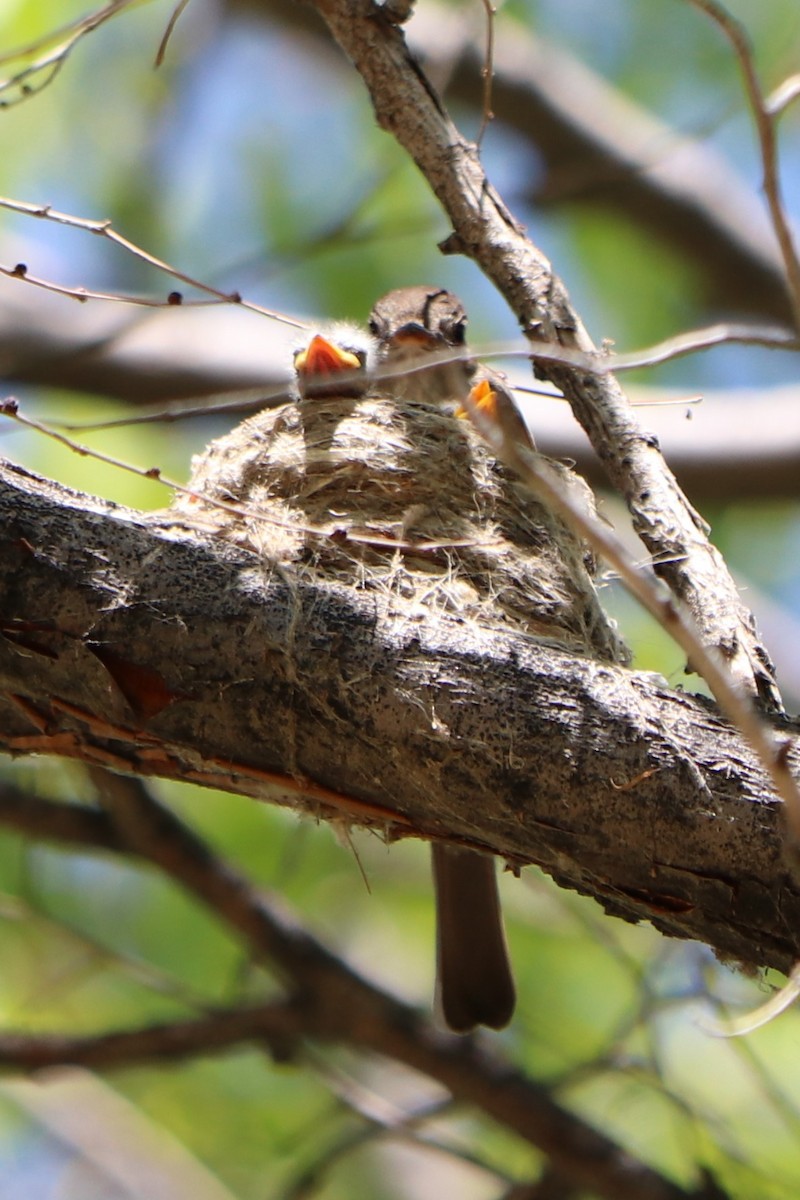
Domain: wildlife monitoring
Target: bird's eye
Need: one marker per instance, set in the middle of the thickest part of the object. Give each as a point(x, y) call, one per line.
point(374, 326)
point(457, 332)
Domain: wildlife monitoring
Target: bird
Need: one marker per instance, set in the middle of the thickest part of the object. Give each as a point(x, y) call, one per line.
point(252, 486)
point(370, 485)
point(475, 982)
point(422, 356)
point(340, 364)
point(421, 338)
point(419, 326)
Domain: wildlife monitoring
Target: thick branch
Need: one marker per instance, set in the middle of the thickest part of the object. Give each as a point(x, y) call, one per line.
point(158, 654)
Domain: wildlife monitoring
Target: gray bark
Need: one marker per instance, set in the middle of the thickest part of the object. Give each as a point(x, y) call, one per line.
point(154, 651)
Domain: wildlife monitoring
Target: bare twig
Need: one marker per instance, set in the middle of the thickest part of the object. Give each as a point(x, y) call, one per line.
point(690, 341)
point(777, 1003)
point(784, 94)
point(82, 294)
point(765, 128)
point(104, 229)
point(487, 70)
point(239, 402)
point(52, 57)
point(173, 21)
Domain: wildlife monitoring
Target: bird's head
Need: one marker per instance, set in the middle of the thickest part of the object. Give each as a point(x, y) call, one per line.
point(420, 333)
point(336, 362)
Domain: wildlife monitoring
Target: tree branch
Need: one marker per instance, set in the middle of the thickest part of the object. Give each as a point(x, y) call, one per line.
point(406, 106)
point(330, 1002)
point(595, 145)
point(471, 1072)
point(156, 653)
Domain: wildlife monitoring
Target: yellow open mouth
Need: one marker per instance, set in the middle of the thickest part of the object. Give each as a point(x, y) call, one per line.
point(322, 357)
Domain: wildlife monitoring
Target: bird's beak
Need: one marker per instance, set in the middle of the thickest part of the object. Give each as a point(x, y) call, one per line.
point(322, 357)
point(484, 397)
point(416, 337)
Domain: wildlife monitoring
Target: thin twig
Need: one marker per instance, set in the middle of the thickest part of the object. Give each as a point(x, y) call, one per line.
point(82, 294)
point(104, 229)
point(238, 402)
point(53, 61)
point(778, 1002)
point(689, 342)
point(765, 128)
point(784, 94)
point(171, 23)
point(487, 71)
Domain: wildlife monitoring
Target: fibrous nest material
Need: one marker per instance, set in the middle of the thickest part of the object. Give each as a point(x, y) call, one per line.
point(406, 501)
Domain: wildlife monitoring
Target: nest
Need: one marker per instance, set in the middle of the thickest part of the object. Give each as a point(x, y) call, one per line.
point(405, 501)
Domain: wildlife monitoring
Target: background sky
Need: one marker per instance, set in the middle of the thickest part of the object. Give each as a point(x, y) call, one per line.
point(251, 159)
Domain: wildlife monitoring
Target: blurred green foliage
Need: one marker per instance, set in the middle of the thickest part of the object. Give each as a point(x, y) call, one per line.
point(252, 159)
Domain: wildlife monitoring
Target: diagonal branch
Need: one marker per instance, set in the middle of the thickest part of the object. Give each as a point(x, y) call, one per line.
point(406, 106)
point(597, 146)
